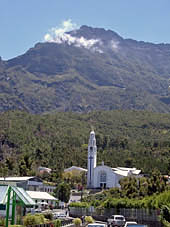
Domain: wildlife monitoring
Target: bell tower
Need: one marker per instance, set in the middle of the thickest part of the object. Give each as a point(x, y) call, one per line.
point(92, 157)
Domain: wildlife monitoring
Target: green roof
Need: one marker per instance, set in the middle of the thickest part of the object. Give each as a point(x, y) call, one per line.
point(20, 192)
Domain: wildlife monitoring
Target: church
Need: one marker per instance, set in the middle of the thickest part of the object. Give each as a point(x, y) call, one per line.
point(104, 176)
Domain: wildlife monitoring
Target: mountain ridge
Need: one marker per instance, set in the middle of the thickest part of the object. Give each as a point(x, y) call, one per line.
point(88, 69)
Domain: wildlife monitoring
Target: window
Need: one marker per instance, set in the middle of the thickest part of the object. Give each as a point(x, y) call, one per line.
point(103, 177)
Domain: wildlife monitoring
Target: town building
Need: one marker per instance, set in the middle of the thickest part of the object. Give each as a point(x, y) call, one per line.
point(27, 183)
point(104, 176)
point(42, 198)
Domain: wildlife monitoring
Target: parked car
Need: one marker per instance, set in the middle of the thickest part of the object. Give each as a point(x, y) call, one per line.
point(38, 210)
point(134, 224)
point(96, 225)
point(116, 220)
point(59, 215)
point(130, 223)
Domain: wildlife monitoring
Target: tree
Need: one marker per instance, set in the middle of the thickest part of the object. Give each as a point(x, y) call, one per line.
point(3, 170)
point(129, 187)
point(156, 183)
point(62, 192)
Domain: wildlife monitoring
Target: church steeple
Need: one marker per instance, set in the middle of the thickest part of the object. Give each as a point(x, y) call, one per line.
point(92, 158)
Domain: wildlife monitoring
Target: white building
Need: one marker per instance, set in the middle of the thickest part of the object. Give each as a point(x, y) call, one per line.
point(104, 176)
point(42, 197)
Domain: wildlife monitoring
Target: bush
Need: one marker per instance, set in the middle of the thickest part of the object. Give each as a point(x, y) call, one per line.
point(79, 204)
point(16, 225)
point(89, 219)
point(77, 221)
point(57, 223)
point(40, 218)
point(48, 215)
point(165, 214)
point(33, 219)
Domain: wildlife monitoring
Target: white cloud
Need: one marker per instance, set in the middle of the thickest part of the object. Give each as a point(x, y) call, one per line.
point(114, 45)
point(59, 35)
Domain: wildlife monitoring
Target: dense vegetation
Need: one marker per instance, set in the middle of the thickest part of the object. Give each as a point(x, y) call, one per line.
point(131, 139)
point(146, 193)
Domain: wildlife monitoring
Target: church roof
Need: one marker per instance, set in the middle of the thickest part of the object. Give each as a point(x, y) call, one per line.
point(123, 171)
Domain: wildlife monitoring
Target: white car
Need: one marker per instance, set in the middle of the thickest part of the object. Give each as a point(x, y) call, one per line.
point(59, 215)
point(96, 225)
point(134, 224)
point(129, 223)
point(116, 220)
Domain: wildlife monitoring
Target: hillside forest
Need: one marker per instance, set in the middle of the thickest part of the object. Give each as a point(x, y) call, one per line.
point(60, 140)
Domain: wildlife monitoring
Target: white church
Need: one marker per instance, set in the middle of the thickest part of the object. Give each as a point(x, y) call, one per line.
point(104, 176)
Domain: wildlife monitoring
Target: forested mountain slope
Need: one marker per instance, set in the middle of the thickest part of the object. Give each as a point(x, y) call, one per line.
point(100, 70)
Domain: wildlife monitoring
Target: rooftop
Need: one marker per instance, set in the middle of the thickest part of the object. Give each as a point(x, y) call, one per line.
point(40, 195)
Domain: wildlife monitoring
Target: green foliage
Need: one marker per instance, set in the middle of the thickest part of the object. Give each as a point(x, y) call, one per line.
point(58, 141)
point(48, 215)
point(79, 204)
point(57, 223)
point(152, 202)
point(165, 213)
point(33, 219)
point(62, 192)
point(77, 222)
point(89, 219)
point(16, 225)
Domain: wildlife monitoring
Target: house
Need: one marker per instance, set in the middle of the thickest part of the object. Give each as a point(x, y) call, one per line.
point(42, 170)
point(43, 198)
point(75, 169)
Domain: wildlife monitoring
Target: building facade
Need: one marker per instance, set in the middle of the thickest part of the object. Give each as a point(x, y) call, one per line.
point(104, 176)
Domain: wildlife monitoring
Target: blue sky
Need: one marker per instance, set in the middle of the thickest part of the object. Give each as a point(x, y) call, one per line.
point(23, 23)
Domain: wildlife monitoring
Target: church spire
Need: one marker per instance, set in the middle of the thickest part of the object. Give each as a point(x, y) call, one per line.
point(92, 158)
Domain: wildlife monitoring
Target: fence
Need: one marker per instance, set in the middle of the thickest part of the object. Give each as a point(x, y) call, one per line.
point(145, 216)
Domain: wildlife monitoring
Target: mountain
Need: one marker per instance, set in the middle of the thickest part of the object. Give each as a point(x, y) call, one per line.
point(87, 69)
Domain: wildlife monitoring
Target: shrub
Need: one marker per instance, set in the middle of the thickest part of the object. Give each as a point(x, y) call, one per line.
point(40, 218)
point(89, 219)
point(165, 213)
point(33, 219)
point(48, 215)
point(16, 225)
point(79, 204)
point(77, 222)
point(57, 223)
